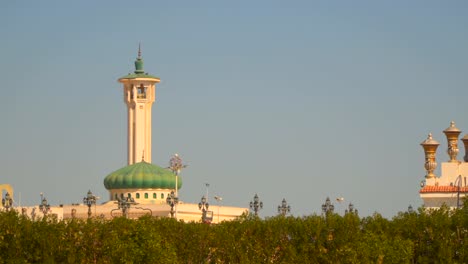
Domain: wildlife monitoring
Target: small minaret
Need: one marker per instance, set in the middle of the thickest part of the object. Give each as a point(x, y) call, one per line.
point(139, 95)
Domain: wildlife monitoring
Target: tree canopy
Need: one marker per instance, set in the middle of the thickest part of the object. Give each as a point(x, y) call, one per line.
point(423, 236)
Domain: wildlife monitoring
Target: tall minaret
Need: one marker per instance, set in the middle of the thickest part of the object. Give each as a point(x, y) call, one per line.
point(139, 95)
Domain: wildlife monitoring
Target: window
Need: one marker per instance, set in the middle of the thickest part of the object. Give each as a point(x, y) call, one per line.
point(141, 92)
point(146, 195)
point(138, 195)
point(115, 196)
point(154, 196)
point(162, 195)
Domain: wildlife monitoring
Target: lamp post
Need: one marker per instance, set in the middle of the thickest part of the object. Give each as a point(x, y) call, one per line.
point(351, 209)
point(124, 204)
point(203, 206)
point(176, 165)
point(284, 208)
point(172, 200)
point(256, 205)
point(89, 200)
point(410, 209)
point(218, 199)
point(44, 206)
point(328, 207)
point(7, 202)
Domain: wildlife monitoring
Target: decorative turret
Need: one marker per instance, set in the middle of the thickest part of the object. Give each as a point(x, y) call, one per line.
point(430, 147)
point(452, 133)
point(465, 142)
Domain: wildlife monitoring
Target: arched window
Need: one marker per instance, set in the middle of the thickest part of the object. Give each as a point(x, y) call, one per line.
point(115, 196)
point(155, 196)
point(138, 195)
point(162, 195)
point(146, 195)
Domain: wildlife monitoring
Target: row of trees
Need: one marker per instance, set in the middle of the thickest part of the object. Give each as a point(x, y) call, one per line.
point(439, 236)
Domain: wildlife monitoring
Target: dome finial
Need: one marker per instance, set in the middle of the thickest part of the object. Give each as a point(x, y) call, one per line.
point(139, 62)
point(143, 156)
point(139, 50)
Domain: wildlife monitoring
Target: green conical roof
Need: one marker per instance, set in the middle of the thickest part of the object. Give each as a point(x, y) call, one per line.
point(142, 175)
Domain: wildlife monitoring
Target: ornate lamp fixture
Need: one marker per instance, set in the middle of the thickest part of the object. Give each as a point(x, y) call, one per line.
point(328, 207)
point(44, 207)
point(124, 204)
point(351, 209)
point(284, 208)
point(7, 202)
point(89, 200)
point(203, 206)
point(256, 205)
point(172, 200)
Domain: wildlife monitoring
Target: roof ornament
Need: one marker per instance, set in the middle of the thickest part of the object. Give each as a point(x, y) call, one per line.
point(430, 147)
point(143, 156)
point(139, 62)
point(452, 133)
point(139, 50)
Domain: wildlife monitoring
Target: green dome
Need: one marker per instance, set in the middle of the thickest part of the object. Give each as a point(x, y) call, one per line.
point(142, 175)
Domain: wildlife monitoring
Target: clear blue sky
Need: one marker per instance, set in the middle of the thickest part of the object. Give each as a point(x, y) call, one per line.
point(298, 100)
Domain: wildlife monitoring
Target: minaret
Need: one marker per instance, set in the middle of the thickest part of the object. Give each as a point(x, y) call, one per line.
point(139, 95)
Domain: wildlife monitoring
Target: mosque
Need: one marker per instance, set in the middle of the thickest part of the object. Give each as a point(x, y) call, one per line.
point(140, 187)
point(451, 186)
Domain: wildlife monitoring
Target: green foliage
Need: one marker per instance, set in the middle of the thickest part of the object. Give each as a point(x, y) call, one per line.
point(426, 236)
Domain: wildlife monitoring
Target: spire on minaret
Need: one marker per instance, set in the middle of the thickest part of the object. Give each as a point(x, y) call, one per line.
point(139, 62)
point(139, 50)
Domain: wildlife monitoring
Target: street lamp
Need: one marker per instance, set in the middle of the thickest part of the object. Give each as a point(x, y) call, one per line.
point(351, 209)
point(176, 165)
point(203, 206)
point(284, 208)
point(256, 205)
point(124, 204)
point(328, 207)
point(89, 200)
point(172, 200)
point(410, 209)
point(7, 202)
point(44, 206)
point(218, 199)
